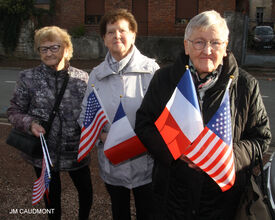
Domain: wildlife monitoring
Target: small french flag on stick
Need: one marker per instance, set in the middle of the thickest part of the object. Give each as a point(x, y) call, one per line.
point(122, 143)
point(180, 123)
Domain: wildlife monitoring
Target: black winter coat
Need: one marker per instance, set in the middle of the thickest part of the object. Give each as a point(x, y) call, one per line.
point(181, 192)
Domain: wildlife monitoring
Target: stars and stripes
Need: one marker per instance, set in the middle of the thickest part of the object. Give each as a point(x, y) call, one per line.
point(212, 151)
point(41, 185)
point(95, 119)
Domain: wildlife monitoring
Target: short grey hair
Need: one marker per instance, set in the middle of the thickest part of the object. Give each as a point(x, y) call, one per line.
point(205, 20)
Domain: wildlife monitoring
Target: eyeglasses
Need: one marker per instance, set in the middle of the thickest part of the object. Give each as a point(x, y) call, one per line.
point(53, 49)
point(111, 33)
point(200, 44)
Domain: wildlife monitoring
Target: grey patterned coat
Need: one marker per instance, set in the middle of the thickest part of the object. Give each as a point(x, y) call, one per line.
point(33, 99)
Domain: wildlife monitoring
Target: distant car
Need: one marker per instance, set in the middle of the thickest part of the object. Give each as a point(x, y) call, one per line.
point(263, 37)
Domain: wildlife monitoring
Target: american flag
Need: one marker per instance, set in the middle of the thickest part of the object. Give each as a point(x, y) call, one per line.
point(212, 150)
point(41, 185)
point(95, 119)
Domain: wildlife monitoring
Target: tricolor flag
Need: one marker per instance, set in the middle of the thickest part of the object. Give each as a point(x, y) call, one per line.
point(95, 119)
point(41, 185)
point(122, 143)
point(180, 123)
point(212, 151)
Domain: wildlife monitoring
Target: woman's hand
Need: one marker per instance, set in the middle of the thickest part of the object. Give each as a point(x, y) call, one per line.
point(103, 137)
point(190, 163)
point(36, 129)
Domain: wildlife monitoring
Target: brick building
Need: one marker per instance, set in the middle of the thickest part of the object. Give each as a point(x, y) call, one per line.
point(154, 17)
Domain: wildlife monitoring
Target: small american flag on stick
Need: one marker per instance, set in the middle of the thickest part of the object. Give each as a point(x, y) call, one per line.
point(41, 185)
point(212, 151)
point(95, 119)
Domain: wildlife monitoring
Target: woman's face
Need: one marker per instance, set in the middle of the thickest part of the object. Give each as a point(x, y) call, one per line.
point(119, 39)
point(206, 59)
point(53, 54)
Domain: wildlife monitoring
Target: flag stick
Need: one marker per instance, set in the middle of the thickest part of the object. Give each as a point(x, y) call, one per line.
point(97, 96)
point(45, 156)
point(46, 148)
point(228, 85)
point(229, 82)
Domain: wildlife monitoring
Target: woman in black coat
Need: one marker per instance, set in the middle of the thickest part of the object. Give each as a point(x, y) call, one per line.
point(182, 190)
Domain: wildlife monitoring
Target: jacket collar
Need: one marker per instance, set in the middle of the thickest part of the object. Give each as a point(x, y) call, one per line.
point(119, 66)
point(49, 71)
point(230, 68)
point(136, 64)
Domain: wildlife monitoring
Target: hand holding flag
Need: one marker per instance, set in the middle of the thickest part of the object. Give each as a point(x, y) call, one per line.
point(181, 127)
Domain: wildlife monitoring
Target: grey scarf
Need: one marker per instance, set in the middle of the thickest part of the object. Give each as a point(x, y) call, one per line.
point(119, 66)
point(206, 83)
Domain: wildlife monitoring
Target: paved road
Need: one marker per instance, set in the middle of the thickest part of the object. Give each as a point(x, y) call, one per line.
point(256, 60)
point(8, 77)
point(268, 93)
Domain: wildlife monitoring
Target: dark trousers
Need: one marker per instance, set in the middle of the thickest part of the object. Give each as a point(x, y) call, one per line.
point(82, 181)
point(120, 198)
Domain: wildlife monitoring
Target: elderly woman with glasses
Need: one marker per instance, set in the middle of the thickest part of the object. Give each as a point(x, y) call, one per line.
point(182, 188)
point(30, 108)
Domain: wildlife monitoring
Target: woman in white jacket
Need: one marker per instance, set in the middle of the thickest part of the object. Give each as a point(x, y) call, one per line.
point(123, 77)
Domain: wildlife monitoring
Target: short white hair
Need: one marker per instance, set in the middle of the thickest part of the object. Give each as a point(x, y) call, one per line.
point(205, 20)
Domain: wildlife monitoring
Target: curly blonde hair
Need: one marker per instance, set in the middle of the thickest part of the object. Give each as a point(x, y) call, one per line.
point(53, 33)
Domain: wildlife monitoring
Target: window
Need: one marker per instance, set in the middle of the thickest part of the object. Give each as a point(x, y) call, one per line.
point(259, 14)
point(94, 10)
point(185, 10)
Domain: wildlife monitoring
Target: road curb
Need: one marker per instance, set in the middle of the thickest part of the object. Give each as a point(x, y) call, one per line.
point(4, 120)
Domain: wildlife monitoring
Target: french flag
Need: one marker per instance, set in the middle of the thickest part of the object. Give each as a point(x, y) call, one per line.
point(122, 143)
point(180, 123)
